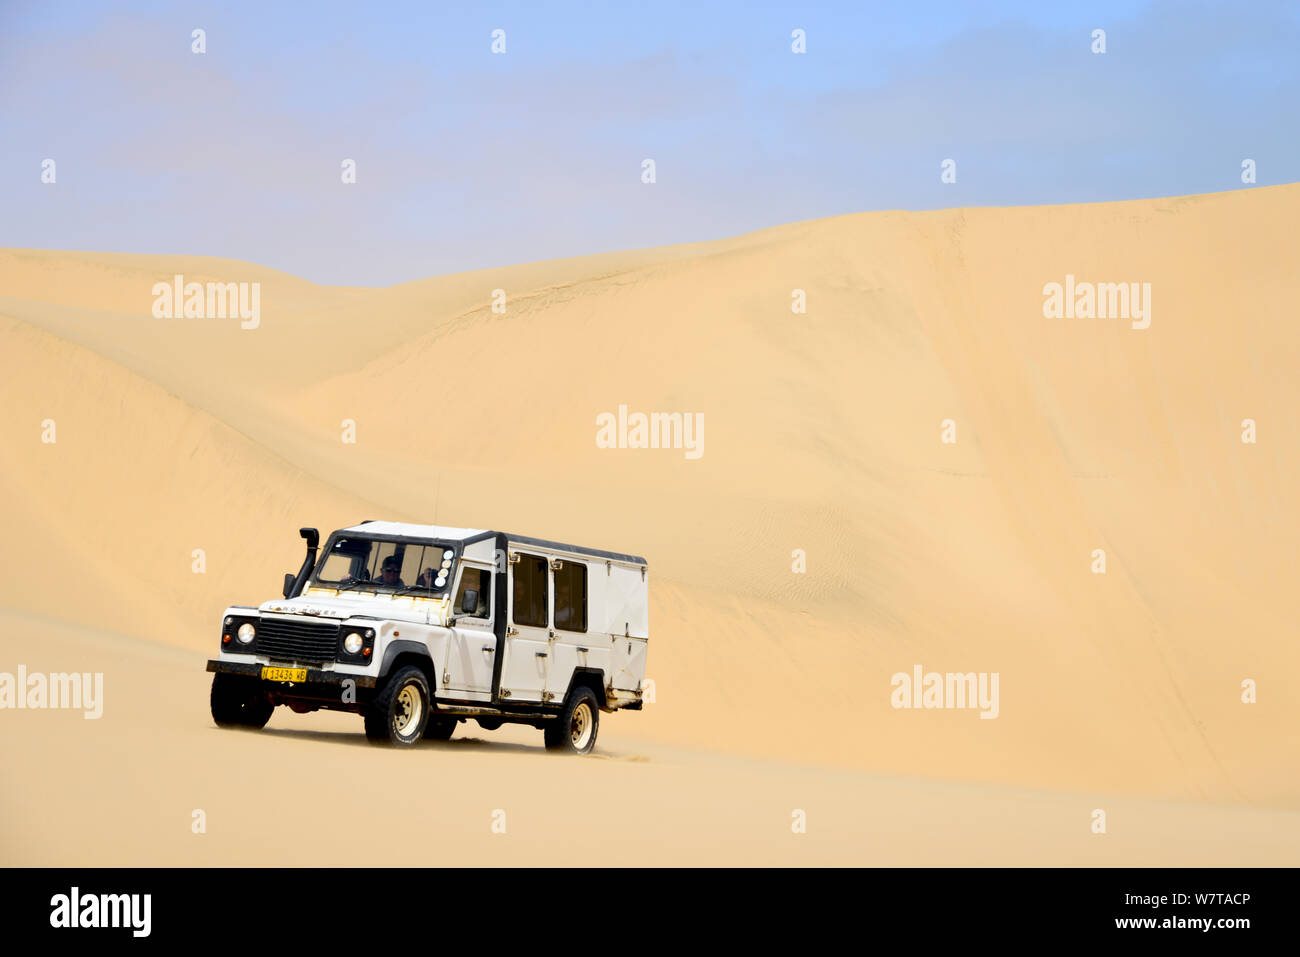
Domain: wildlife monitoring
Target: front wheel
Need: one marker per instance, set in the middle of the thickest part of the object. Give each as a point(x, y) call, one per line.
point(400, 712)
point(238, 702)
point(574, 731)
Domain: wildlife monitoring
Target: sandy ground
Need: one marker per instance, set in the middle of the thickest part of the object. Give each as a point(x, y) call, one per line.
point(309, 790)
point(1119, 691)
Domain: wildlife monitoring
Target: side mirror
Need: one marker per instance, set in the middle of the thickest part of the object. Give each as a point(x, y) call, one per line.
point(469, 604)
point(289, 579)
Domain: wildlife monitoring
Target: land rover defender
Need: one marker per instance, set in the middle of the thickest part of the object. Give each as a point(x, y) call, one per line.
point(420, 627)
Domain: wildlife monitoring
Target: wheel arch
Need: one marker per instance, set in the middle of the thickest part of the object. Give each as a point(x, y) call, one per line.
point(398, 654)
point(593, 678)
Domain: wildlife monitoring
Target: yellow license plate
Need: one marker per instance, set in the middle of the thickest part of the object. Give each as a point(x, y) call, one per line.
point(284, 674)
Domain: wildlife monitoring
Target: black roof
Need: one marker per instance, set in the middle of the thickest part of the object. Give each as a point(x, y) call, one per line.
point(561, 546)
point(547, 543)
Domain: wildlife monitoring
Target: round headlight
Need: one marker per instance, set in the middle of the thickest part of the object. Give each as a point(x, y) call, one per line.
point(352, 643)
point(246, 633)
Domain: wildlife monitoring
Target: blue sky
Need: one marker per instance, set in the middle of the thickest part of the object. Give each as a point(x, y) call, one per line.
point(466, 159)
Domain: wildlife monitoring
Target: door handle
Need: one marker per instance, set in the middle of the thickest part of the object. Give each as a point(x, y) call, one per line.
point(541, 654)
point(488, 649)
point(584, 650)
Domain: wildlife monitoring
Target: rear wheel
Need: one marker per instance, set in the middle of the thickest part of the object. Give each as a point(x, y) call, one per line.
point(239, 702)
point(400, 711)
point(574, 731)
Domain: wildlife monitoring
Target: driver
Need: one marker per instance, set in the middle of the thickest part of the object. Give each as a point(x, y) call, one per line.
point(390, 572)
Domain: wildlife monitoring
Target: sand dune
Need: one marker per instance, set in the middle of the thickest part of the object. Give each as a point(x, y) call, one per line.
point(822, 433)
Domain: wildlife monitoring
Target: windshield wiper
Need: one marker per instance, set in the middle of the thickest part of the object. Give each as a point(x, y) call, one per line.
point(355, 583)
point(412, 588)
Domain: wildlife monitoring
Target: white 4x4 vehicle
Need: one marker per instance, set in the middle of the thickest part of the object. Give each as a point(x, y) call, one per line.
point(420, 627)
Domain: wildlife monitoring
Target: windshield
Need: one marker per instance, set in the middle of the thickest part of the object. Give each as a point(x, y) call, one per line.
point(358, 562)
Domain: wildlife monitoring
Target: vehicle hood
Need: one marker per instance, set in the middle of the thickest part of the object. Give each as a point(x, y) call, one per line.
point(402, 607)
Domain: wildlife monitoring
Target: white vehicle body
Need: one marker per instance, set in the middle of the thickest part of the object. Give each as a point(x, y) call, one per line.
point(582, 620)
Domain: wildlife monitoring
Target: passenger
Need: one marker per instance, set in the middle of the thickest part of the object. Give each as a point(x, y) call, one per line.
point(426, 578)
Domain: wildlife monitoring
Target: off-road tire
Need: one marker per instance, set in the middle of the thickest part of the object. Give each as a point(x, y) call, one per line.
point(238, 702)
point(390, 719)
point(574, 731)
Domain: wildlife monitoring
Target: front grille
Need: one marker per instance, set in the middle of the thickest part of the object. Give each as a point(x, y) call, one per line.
point(298, 640)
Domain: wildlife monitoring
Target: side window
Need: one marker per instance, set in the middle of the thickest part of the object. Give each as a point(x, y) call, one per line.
point(571, 596)
point(475, 579)
point(530, 591)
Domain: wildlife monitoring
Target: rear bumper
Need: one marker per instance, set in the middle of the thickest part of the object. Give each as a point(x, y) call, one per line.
point(314, 675)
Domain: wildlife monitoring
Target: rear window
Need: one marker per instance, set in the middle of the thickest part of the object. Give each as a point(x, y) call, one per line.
point(571, 596)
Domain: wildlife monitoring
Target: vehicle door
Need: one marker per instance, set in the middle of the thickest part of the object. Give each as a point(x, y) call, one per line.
point(527, 643)
point(473, 645)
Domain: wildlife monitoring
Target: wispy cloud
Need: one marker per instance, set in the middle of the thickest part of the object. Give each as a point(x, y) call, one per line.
point(468, 160)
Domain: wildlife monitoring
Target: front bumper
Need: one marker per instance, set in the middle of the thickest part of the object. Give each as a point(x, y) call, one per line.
point(314, 675)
